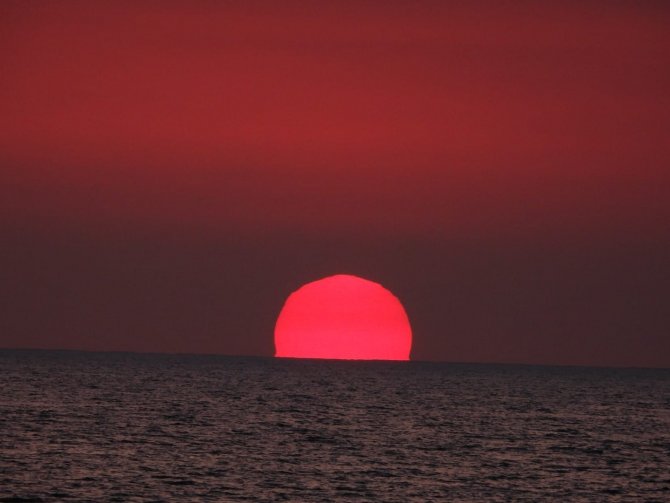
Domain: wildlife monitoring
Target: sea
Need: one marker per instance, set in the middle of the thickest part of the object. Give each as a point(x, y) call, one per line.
point(85, 426)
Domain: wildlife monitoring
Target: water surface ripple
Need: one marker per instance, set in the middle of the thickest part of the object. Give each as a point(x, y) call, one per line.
point(131, 427)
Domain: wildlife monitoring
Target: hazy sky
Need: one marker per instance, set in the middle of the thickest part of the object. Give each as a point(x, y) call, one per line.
point(171, 171)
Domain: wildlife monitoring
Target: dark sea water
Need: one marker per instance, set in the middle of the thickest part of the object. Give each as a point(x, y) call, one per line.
point(131, 427)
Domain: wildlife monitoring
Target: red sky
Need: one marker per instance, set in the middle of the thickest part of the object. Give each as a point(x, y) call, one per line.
point(530, 135)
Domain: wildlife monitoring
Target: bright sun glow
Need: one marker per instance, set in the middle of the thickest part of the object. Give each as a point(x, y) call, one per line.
point(343, 317)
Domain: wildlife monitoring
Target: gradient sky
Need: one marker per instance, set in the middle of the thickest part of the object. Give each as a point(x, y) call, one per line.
point(171, 171)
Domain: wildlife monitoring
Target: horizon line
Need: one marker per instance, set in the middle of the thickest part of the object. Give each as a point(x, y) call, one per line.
point(272, 357)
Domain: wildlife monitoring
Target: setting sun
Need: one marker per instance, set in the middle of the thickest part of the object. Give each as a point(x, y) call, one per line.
point(343, 317)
